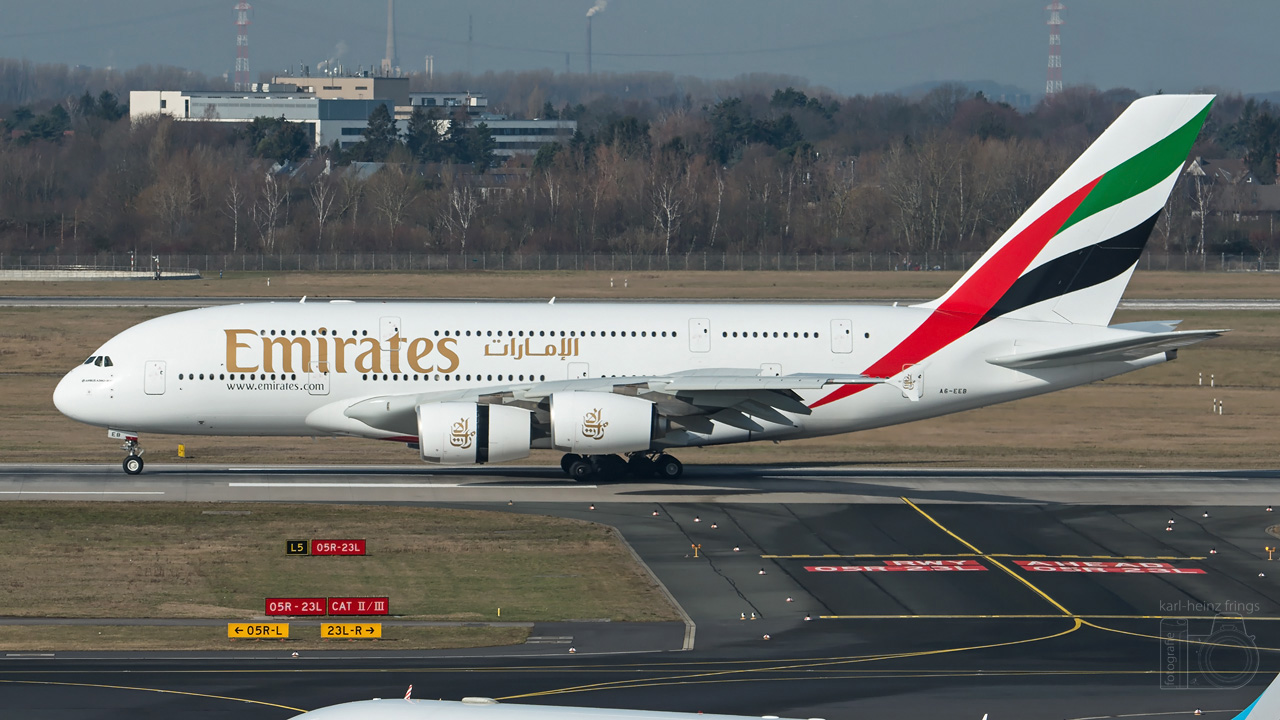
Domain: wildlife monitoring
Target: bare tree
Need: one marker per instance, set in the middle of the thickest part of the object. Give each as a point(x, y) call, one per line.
point(323, 197)
point(175, 194)
point(232, 203)
point(392, 191)
point(715, 224)
point(461, 205)
point(268, 210)
point(666, 196)
point(1201, 201)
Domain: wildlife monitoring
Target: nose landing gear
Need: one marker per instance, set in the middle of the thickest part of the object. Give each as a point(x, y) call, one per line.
point(133, 461)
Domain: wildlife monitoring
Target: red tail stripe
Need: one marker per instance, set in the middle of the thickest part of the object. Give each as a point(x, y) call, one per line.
point(965, 307)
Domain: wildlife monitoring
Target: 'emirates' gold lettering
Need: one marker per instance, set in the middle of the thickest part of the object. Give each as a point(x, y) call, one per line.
point(324, 354)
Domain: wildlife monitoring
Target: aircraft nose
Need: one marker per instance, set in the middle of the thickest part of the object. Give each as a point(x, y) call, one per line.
point(68, 397)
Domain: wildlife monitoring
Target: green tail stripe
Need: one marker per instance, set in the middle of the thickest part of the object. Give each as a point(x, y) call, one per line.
point(1142, 171)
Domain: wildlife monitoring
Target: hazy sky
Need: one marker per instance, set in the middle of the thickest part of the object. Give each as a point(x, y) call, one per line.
point(849, 45)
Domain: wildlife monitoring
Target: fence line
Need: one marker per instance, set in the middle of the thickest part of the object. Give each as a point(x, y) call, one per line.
point(609, 262)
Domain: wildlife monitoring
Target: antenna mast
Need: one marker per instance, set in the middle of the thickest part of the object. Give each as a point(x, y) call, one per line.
point(1053, 85)
point(242, 45)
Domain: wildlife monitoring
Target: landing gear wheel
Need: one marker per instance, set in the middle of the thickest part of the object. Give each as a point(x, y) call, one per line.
point(567, 460)
point(610, 467)
point(133, 465)
point(580, 469)
point(640, 466)
point(668, 468)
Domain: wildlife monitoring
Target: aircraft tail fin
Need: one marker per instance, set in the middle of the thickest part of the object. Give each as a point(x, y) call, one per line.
point(1070, 256)
point(1267, 705)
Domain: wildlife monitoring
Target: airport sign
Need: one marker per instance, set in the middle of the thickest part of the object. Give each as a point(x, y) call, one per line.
point(337, 547)
point(351, 631)
point(358, 606)
point(237, 631)
point(295, 606)
point(905, 566)
point(297, 547)
point(1116, 568)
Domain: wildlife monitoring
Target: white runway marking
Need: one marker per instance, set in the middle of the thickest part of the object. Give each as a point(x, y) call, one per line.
point(477, 486)
point(76, 492)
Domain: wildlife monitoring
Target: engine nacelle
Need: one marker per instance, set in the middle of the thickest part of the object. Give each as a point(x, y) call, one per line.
point(454, 433)
point(594, 423)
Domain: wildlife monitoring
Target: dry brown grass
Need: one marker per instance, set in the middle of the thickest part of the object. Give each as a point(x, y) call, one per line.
point(156, 560)
point(71, 638)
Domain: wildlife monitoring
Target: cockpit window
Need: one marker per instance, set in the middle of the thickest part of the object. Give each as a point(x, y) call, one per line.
point(90, 360)
point(106, 361)
point(98, 362)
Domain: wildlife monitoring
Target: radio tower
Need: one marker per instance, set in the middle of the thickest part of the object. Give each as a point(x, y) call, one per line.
point(1053, 85)
point(242, 45)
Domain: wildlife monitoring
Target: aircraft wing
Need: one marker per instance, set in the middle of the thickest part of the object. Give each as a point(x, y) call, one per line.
point(1130, 348)
point(734, 396)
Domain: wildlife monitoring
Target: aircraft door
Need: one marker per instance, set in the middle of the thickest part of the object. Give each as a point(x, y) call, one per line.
point(578, 371)
point(318, 383)
point(153, 378)
point(841, 336)
point(389, 327)
point(699, 335)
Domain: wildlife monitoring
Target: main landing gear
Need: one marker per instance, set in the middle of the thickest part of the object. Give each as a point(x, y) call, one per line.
point(133, 461)
point(612, 467)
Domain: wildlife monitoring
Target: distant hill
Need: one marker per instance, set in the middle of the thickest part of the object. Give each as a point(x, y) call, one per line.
point(996, 92)
point(1272, 97)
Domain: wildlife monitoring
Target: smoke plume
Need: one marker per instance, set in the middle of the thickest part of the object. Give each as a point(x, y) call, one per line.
point(598, 7)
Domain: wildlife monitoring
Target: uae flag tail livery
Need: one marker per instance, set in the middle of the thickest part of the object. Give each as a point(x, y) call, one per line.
point(618, 388)
point(1070, 256)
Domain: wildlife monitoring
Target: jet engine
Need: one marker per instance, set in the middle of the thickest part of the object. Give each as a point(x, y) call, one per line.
point(593, 423)
point(454, 433)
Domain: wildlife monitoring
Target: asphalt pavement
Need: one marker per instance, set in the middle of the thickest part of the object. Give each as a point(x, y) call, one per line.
point(1022, 594)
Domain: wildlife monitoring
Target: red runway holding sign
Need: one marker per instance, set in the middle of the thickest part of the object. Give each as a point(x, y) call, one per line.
point(1117, 568)
point(906, 566)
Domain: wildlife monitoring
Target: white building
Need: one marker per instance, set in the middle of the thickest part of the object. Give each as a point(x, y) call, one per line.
point(328, 119)
point(511, 137)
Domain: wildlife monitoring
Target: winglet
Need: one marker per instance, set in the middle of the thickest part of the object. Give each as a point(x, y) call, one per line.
point(1266, 706)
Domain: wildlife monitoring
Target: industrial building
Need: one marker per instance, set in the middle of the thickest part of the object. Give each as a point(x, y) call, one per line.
point(329, 120)
point(338, 108)
point(511, 137)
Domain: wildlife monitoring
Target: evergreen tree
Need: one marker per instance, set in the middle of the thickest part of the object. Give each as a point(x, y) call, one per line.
point(423, 138)
point(109, 108)
point(379, 137)
point(481, 146)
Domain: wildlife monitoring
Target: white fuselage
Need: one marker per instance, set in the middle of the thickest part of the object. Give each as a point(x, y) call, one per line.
point(290, 368)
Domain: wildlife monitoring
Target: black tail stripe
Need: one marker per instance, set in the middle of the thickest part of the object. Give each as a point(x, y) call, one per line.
point(1086, 267)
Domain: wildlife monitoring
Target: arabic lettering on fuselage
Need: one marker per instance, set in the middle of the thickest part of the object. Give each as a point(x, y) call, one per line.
point(516, 349)
point(330, 353)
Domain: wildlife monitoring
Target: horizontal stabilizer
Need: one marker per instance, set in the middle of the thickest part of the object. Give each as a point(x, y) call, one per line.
point(1130, 348)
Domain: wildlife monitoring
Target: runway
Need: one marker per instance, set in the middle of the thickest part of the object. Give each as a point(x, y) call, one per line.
point(929, 593)
point(765, 484)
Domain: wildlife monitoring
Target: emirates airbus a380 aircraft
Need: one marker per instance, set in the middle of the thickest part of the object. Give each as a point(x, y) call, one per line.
point(483, 382)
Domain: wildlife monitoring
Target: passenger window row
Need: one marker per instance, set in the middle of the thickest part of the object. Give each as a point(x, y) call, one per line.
point(744, 334)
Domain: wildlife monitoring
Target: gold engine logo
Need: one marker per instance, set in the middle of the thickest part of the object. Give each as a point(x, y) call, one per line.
point(460, 436)
point(593, 425)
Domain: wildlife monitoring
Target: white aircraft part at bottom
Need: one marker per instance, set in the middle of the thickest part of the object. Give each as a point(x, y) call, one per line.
point(484, 708)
